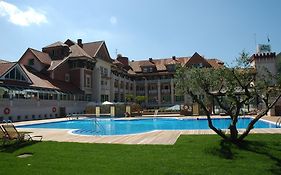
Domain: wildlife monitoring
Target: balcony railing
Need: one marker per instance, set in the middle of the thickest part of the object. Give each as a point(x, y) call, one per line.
point(152, 91)
point(165, 90)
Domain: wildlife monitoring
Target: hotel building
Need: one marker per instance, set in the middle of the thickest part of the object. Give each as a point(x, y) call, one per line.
point(65, 76)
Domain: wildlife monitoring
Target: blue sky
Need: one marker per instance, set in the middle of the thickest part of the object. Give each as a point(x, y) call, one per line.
point(144, 28)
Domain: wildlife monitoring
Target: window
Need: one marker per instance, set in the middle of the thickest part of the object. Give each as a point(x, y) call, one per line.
point(88, 81)
point(121, 84)
point(67, 78)
point(127, 85)
point(116, 83)
point(31, 62)
point(198, 65)
point(104, 98)
point(171, 67)
point(15, 74)
point(145, 69)
point(104, 72)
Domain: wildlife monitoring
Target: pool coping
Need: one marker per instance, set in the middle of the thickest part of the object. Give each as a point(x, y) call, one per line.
point(162, 137)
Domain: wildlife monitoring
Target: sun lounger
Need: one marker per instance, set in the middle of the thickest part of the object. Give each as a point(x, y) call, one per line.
point(13, 134)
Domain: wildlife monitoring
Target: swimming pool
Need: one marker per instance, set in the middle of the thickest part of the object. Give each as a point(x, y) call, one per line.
point(123, 127)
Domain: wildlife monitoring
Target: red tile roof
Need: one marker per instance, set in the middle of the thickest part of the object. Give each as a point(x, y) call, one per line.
point(162, 63)
point(77, 51)
point(92, 48)
point(196, 58)
point(215, 63)
point(42, 56)
point(4, 61)
point(43, 81)
point(4, 67)
point(56, 44)
point(56, 63)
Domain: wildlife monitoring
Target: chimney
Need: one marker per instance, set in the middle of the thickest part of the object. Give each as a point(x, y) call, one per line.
point(79, 42)
point(150, 59)
point(174, 57)
point(123, 60)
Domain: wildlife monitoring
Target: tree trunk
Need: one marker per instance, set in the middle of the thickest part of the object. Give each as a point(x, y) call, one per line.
point(251, 125)
point(208, 114)
point(233, 132)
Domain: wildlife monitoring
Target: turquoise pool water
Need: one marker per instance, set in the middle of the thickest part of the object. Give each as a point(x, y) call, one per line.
point(122, 127)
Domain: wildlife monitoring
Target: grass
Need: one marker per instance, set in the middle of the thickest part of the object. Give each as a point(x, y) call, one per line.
point(204, 154)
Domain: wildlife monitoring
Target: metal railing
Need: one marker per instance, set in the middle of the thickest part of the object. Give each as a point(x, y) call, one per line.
point(278, 123)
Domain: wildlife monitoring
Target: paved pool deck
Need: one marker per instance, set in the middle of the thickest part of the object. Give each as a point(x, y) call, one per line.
point(153, 137)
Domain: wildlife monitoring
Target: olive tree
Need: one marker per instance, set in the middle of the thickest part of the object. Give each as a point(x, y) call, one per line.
point(231, 88)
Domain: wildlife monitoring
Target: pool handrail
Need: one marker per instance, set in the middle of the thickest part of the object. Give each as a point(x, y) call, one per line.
point(278, 123)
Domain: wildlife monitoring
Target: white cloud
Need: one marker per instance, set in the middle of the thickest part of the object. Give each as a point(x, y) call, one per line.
point(113, 20)
point(20, 17)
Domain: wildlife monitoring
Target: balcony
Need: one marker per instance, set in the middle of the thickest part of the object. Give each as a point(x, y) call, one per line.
point(153, 91)
point(166, 91)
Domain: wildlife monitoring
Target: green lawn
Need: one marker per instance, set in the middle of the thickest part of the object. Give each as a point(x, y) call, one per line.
point(205, 154)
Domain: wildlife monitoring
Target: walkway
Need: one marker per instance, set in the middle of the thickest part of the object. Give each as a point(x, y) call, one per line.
point(154, 137)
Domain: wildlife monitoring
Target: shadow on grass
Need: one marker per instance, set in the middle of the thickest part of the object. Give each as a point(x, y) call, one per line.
point(14, 146)
point(270, 150)
point(224, 151)
point(228, 150)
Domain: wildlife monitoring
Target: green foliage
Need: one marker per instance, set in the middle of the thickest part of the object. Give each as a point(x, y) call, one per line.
point(231, 89)
point(129, 97)
point(259, 155)
point(140, 99)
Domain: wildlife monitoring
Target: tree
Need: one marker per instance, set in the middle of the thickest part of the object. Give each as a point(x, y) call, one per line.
point(129, 97)
point(140, 99)
point(231, 88)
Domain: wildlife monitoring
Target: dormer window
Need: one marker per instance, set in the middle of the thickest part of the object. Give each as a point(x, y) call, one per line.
point(148, 69)
point(31, 62)
point(145, 69)
point(171, 67)
point(198, 65)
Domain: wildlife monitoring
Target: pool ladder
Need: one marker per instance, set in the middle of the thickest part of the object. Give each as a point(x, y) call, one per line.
point(278, 123)
point(97, 125)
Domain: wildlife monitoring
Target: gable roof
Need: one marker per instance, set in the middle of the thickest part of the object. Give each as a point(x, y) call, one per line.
point(196, 58)
point(4, 61)
point(159, 63)
point(56, 63)
point(20, 69)
point(42, 56)
point(4, 67)
point(215, 63)
point(56, 44)
point(92, 48)
point(77, 51)
point(40, 80)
